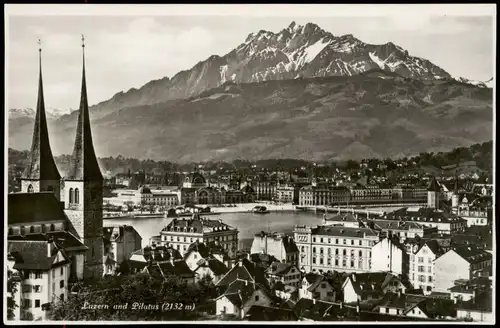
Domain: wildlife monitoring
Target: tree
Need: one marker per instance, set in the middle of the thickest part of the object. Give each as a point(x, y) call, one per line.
point(12, 284)
point(135, 297)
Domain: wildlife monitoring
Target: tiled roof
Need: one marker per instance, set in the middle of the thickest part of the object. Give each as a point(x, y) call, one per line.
point(205, 250)
point(371, 282)
point(279, 268)
point(25, 208)
point(244, 270)
point(312, 277)
point(438, 308)
point(473, 254)
point(158, 253)
point(341, 231)
point(63, 239)
point(32, 255)
point(216, 266)
point(179, 268)
point(400, 301)
point(198, 224)
point(311, 309)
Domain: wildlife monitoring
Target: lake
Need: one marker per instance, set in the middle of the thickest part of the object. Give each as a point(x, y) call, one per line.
point(248, 224)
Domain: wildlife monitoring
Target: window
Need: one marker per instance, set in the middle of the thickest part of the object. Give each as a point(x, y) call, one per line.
point(62, 271)
point(386, 310)
point(352, 241)
point(336, 263)
point(321, 261)
point(38, 275)
point(345, 241)
point(37, 289)
point(336, 251)
point(360, 243)
point(61, 284)
point(344, 252)
point(321, 250)
point(430, 260)
point(27, 288)
point(314, 239)
point(430, 279)
point(429, 269)
point(37, 303)
point(77, 196)
point(71, 196)
point(30, 189)
point(314, 260)
point(329, 240)
point(256, 298)
point(421, 268)
point(323, 285)
point(420, 260)
point(27, 303)
point(336, 241)
point(321, 240)
point(314, 249)
point(360, 253)
point(421, 278)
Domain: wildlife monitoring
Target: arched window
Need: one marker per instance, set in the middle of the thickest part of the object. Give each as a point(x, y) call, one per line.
point(44, 228)
point(23, 230)
point(77, 196)
point(30, 189)
point(71, 197)
point(32, 229)
point(52, 227)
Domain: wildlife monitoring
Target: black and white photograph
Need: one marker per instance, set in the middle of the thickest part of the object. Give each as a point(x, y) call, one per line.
point(286, 163)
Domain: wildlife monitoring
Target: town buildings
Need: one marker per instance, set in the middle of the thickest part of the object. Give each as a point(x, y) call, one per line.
point(279, 245)
point(120, 241)
point(322, 194)
point(180, 233)
point(339, 248)
point(389, 255)
point(422, 270)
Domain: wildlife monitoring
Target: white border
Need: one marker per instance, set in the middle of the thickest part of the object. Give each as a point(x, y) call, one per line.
point(266, 10)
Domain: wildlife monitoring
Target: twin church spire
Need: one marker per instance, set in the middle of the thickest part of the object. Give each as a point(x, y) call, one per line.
point(83, 163)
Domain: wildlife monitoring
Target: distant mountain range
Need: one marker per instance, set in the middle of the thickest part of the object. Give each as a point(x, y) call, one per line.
point(301, 92)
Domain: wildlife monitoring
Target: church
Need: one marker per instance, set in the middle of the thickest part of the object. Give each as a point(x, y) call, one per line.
point(55, 224)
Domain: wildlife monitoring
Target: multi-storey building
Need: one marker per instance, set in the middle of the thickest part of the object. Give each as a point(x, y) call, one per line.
point(285, 193)
point(389, 255)
point(44, 271)
point(422, 269)
point(446, 223)
point(180, 233)
point(368, 193)
point(326, 248)
point(402, 229)
point(323, 195)
point(264, 189)
point(281, 246)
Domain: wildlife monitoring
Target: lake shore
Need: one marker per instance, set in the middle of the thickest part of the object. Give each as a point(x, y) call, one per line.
point(248, 207)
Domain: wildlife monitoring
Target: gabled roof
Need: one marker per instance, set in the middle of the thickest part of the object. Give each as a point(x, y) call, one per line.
point(205, 250)
point(370, 282)
point(279, 268)
point(312, 277)
point(400, 301)
point(26, 208)
point(438, 307)
point(32, 255)
point(244, 270)
point(216, 266)
point(158, 253)
point(238, 292)
point(179, 268)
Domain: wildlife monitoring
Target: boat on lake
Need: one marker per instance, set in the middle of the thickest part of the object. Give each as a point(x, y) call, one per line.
point(260, 210)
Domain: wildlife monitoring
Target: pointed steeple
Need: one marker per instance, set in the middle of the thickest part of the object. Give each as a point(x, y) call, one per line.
point(41, 164)
point(434, 185)
point(83, 164)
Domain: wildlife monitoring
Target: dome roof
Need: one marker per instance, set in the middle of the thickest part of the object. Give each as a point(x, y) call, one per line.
point(144, 190)
point(196, 178)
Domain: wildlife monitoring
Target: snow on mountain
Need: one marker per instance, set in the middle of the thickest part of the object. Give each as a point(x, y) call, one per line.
point(482, 84)
point(51, 113)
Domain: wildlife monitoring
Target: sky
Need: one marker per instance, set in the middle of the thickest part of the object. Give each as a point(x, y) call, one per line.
point(126, 47)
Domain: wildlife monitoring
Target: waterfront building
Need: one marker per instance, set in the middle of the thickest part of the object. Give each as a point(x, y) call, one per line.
point(264, 189)
point(326, 248)
point(285, 193)
point(180, 233)
point(323, 195)
point(279, 245)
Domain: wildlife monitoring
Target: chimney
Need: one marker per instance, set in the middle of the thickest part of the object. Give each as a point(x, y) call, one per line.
point(50, 245)
point(314, 301)
point(246, 283)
